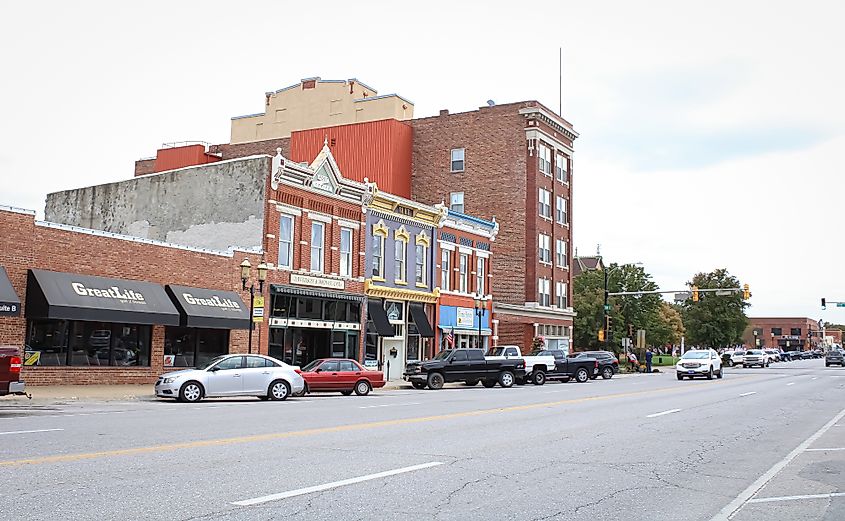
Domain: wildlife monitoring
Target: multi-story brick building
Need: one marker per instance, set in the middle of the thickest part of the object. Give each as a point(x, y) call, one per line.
point(512, 162)
point(787, 333)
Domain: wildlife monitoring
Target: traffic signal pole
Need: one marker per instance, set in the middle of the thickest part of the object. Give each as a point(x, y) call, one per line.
point(604, 312)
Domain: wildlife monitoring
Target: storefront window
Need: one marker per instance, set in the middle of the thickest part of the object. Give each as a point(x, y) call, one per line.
point(414, 339)
point(338, 344)
point(309, 308)
point(371, 347)
point(87, 344)
point(192, 347)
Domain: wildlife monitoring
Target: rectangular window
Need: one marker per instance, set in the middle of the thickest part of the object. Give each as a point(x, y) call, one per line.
point(545, 157)
point(561, 297)
point(285, 241)
point(445, 270)
point(561, 258)
point(777, 331)
point(89, 344)
point(345, 252)
point(399, 256)
point(545, 203)
point(560, 210)
point(544, 242)
point(544, 293)
point(456, 202)
point(795, 331)
point(464, 273)
point(419, 264)
point(561, 169)
point(479, 274)
point(317, 237)
point(458, 159)
point(378, 256)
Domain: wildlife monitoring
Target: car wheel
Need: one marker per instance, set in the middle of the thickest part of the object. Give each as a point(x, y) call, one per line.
point(435, 381)
point(191, 392)
point(488, 383)
point(721, 371)
point(506, 379)
point(538, 377)
point(710, 373)
point(744, 366)
point(418, 385)
point(362, 388)
point(680, 376)
point(827, 365)
point(346, 393)
point(279, 391)
point(607, 373)
point(581, 375)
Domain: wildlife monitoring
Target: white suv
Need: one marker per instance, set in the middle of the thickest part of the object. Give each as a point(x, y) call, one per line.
point(699, 362)
point(755, 357)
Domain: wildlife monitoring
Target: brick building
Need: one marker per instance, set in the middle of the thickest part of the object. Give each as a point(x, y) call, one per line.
point(512, 162)
point(787, 333)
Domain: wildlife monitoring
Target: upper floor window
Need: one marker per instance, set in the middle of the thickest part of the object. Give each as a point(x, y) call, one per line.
point(795, 331)
point(345, 252)
point(379, 236)
point(445, 270)
point(544, 242)
point(317, 238)
point(464, 273)
point(561, 258)
point(419, 264)
point(777, 331)
point(458, 159)
point(399, 256)
point(561, 168)
point(561, 214)
point(544, 294)
point(456, 202)
point(285, 241)
point(561, 296)
point(479, 274)
point(545, 203)
point(544, 155)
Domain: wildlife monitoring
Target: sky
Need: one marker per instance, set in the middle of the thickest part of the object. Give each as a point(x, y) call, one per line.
point(711, 132)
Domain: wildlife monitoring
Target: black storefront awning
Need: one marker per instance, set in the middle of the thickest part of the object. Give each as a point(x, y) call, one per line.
point(284, 289)
point(200, 307)
point(378, 315)
point(418, 314)
point(68, 296)
point(10, 304)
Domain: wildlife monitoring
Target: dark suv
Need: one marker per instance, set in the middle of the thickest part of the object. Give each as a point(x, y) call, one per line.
point(608, 363)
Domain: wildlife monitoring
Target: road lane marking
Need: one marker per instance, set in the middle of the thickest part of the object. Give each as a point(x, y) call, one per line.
point(790, 383)
point(335, 429)
point(388, 405)
point(30, 432)
point(670, 411)
point(825, 450)
point(793, 498)
point(814, 378)
point(734, 506)
point(749, 393)
point(333, 484)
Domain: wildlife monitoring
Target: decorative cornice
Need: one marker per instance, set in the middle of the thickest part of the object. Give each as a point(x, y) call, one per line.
point(390, 204)
point(373, 290)
point(538, 113)
point(380, 228)
point(533, 312)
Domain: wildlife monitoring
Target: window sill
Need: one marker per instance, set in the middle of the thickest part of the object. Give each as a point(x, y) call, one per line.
point(562, 266)
point(400, 282)
point(378, 279)
point(544, 263)
point(421, 285)
point(547, 219)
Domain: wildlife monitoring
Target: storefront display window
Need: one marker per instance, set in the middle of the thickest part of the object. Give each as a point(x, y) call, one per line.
point(193, 347)
point(85, 344)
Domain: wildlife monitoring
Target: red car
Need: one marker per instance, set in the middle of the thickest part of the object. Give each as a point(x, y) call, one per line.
point(340, 374)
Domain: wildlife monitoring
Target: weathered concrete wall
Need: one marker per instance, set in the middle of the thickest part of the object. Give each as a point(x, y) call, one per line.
point(209, 206)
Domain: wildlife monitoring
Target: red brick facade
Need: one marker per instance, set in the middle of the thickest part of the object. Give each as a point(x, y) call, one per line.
point(774, 332)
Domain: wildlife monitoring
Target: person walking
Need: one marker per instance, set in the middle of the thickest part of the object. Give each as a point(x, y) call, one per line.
point(648, 356)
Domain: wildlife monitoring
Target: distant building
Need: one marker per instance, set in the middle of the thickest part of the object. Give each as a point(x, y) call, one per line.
point(581, 264)
point(787, 333)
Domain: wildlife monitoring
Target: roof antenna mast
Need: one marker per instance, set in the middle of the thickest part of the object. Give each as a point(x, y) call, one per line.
point(560, 82)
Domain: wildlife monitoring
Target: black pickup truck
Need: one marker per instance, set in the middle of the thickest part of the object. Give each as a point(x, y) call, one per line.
point(464, 365)
point(581, 369)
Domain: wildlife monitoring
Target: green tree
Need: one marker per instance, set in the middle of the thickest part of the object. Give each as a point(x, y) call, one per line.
point(669, 328)
point(588, 299)
point(715, 320)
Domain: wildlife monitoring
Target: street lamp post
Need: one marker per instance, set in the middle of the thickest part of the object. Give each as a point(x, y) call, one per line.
point(479, 312)
point(262, 276)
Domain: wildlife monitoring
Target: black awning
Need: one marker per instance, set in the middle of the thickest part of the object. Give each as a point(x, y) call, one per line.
point(68, 296)
point(418, 314)
point(10, 304)
point(200, 307)
point(376, 313)
point(283, 289)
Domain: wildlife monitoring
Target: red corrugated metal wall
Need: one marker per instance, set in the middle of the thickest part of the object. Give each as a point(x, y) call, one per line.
point(378, 150)
point(180, 157)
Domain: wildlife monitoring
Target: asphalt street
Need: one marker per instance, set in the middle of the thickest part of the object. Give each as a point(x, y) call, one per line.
point(758, 444)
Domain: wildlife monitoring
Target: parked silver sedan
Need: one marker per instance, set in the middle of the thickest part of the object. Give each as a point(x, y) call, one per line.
point(232, 375)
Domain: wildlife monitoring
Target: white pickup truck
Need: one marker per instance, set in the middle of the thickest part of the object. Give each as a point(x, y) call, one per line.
point(543, 364)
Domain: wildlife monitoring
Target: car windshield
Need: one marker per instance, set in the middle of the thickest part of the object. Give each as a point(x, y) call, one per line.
point(212, 362)
point(442, 355)
point(499, 351)
point(754, 352)
point(311, 366)
point(696, 355)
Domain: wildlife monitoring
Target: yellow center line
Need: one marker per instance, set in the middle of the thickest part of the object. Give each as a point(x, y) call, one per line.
point(326, 430)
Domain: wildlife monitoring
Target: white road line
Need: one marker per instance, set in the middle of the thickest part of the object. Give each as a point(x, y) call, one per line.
point(814, 378)
point(825, 450)
point(670, 411)
point(793, 498)
point(388, 405)
point(790, 383)
point(334, 484)
point(734, 506)
point(749, 393)
point(30, 432)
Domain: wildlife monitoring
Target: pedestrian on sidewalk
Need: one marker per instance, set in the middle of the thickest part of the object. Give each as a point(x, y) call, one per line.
point(648, 357)
point(632, 361)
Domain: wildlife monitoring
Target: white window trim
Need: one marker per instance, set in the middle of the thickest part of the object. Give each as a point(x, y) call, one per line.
point(463, 277)
point(446, 245)
point(290, 210)
point(320, 217)
point(447, 269)
point(351, 249)
point(540, 242)
point(480, 275)
point(292, 235)
point(322, 268)
point(463, 160)
point(424, 281)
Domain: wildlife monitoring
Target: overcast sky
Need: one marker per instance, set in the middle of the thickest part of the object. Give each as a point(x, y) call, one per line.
point(711, 133)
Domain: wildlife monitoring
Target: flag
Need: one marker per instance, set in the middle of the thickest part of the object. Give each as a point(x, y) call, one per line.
point(450, 339)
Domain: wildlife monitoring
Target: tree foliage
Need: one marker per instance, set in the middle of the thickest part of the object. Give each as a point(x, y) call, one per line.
point(715, 320)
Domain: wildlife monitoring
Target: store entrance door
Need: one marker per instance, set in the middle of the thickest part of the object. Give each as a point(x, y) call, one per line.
point(397, 363)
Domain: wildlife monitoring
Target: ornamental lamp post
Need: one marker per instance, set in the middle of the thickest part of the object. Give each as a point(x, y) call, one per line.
point(246, 267)
point(479, 312)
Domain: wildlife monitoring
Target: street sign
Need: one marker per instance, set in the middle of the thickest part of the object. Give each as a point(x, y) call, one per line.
point(683, 295)
point(258, 309)
point(607, 307)
point(840, 304)
point(723, 292)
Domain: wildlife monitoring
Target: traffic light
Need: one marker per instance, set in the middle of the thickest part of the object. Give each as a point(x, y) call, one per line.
point(746, 292)
point(695, 293)
point(607, 323)
point(601, 335)
point(824, 303)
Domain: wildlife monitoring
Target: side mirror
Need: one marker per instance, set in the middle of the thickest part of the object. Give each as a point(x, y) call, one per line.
point(318, 370)
point(214, 369)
